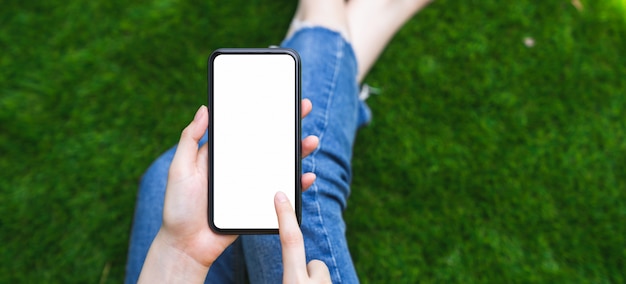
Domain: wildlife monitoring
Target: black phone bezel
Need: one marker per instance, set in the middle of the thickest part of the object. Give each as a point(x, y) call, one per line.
point(297, 138)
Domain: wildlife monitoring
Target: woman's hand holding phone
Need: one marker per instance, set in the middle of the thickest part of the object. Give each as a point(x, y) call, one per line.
point(185, 246)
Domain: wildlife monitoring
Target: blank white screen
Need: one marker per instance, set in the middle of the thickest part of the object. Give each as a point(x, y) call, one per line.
point(254, 138)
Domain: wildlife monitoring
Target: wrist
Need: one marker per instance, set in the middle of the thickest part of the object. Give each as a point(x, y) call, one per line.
point(166, 263)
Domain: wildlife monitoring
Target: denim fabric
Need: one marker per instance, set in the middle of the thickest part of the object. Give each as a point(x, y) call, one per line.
point(329, 71)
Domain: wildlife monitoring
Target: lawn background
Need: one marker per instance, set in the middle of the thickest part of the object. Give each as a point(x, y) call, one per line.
point(487, 161)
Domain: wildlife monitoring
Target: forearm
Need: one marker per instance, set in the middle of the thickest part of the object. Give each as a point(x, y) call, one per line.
point(166, 264)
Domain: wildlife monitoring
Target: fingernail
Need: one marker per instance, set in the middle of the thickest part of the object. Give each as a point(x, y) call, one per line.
point(199, 113)
point(281, 197)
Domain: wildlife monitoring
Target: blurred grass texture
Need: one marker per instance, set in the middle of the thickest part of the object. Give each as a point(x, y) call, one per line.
point(497, 152)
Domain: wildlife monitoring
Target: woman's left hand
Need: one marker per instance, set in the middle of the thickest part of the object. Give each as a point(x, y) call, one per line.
point(185, 246)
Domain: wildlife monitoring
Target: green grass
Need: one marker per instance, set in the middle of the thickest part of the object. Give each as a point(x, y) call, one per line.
point(487, 161)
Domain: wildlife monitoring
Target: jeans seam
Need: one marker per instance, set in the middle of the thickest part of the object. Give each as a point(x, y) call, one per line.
point(338, 55)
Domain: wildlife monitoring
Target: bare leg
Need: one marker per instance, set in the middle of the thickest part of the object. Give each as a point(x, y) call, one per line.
point(373, 23)
point(326, 13)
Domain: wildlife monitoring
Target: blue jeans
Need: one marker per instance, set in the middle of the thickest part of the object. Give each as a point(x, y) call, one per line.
point(329, 71)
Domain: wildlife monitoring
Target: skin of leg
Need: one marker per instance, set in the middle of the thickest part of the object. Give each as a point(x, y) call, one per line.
point(372, 24)
point(330, 14)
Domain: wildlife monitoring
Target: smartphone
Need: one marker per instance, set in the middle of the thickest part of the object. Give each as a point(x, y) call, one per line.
point(254, 102)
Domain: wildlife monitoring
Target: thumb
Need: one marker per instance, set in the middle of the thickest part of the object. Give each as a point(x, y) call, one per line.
point(187, 150)
point(318, 271)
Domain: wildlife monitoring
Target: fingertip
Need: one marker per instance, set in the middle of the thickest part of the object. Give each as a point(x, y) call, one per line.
point(280, 197)
point(312, 141)
point(318, 270)
point(198, 125)
point(309, 144)
point(307, 180)
point(307, 106)
point(200, 113)
point(307, 102)
point(201, 119)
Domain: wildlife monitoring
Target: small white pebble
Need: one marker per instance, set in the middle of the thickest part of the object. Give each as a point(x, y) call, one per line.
point(529, 42)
